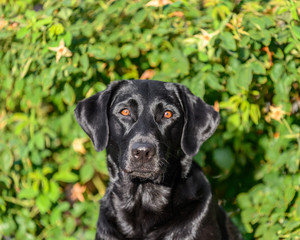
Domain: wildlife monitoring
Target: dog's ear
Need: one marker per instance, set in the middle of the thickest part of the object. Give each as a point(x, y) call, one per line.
point(201, 121)
point(91, 114)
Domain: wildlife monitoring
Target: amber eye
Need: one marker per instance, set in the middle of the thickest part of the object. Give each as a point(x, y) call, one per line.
point(125, 112)
point(168, 114)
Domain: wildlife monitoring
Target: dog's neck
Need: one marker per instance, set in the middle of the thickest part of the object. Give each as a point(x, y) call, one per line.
point(141, 195)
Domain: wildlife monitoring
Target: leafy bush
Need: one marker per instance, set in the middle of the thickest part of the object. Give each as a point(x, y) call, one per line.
point(240, 56)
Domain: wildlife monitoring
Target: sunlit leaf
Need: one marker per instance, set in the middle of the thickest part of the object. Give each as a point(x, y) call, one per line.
point(43, 203)
point(68, 94)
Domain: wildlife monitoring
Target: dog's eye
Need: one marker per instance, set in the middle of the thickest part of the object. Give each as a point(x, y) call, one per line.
point(125, 112)
point(168, 114)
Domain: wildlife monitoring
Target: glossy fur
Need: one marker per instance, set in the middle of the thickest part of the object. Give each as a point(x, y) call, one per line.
point(155, 191)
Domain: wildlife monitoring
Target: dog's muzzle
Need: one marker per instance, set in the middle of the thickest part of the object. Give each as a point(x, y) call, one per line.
point(143, 160)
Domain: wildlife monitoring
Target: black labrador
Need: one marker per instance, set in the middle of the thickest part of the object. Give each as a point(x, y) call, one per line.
point(151, 131)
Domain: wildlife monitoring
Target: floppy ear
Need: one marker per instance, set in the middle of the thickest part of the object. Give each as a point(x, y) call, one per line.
point(201, 121)
point(91, 114)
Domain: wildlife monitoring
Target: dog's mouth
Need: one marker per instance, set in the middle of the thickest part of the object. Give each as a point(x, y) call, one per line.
point(141, 174)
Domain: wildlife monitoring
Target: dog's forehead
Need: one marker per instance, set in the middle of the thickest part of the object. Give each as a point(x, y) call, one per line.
point(147, 90)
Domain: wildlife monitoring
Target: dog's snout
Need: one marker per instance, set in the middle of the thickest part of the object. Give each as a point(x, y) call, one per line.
point(143, 151)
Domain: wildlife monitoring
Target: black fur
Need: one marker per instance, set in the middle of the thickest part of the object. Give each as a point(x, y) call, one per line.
point(155, 191)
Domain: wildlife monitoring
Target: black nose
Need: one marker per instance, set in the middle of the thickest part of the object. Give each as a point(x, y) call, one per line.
point(143, 151)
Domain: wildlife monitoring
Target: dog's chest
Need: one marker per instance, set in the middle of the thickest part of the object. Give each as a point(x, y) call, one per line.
point(142, 207)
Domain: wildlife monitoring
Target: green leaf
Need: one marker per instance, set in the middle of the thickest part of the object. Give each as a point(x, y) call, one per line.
point(296, 31)
point(6, 161)
point(244, 77)
point(99, 86)
point(68, 38)
point(245, 110)
point(231, 85)
point(47, 78)
point(100, 162)
point(116, 7)
point(42, 22)
point(43, 203)
point(234, 121)
point(55, 217)
point(294, 10)
point(254, 113)
point(293, 163)
point(248, 214)
point(87, 30)
point(202, 56)
point(70, 225)
point(154, 58)
point(111, 52)
point(258, 68)
point(86, 172)
point(39, 140)
point(196, 85)
point(65, 13)
point(68, 94)
point(54, 192)
point(140, 16)
point(277, 71)
point(257, 22)
point(244, 201)
point(30, 14)
point(84, 60)
point(55, 29)
point(19, 85)
point(224, 158)
point(22, 32)
point(228, 41)
point(65, 176)
point(35, 157)
point(289, 194)
point(212, 81)
point(28, 193)
point(35, 36)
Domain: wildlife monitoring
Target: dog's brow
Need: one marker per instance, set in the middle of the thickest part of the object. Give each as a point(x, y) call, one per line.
point(124, 93)
point(172, 88)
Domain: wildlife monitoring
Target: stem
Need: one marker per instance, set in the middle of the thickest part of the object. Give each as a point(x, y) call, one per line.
point(288, 126)
point(291, 132)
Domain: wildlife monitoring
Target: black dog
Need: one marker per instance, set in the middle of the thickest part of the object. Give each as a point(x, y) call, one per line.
point(151, 131)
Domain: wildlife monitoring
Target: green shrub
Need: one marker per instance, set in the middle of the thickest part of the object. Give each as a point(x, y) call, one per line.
point(241, 56)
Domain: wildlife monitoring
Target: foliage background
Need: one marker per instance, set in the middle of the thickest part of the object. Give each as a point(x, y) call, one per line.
point(240, 56)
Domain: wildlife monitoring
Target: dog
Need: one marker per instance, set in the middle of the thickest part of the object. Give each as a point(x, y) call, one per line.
point(151, 130)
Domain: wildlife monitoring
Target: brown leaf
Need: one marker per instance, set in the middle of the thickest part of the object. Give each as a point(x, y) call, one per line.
point(177, 14)
point(77, 192)
point(78, 145)
point(148, 74)
point(216, 106)
point(3, 23)
point(158, 3)
point(13, 26)
point(269, 53)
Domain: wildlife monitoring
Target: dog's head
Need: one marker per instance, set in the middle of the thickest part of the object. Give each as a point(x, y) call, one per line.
point(150, 128)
